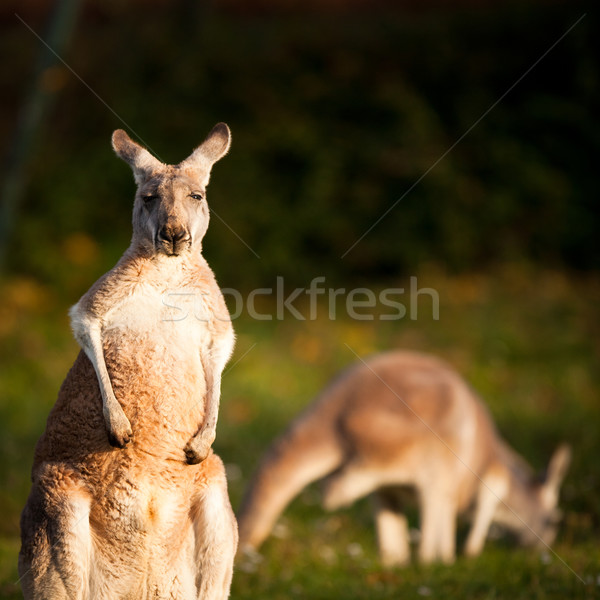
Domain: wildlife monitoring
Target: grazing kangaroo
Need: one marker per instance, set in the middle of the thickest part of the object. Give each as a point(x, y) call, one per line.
point(398, 424)
point(151, 519)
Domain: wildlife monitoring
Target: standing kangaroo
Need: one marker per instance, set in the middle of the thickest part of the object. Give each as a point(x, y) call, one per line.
point(150, 518)
point(399, 423)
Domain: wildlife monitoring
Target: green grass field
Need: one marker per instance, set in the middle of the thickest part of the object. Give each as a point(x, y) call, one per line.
point(527, 340)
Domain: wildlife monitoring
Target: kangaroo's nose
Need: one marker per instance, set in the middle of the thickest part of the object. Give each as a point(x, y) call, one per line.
point(171, 234)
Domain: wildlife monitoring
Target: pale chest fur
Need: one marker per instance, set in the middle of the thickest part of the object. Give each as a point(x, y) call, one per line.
point(155, 339)
point(178, 319)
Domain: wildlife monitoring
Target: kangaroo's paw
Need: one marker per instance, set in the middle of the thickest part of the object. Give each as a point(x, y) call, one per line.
point(119, 429)
point(198, 448)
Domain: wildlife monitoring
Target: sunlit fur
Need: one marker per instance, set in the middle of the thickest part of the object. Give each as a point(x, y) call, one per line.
point(150, 518)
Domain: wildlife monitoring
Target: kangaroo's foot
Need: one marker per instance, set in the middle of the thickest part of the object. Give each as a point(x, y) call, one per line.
point(117, 426)
point(198, 448)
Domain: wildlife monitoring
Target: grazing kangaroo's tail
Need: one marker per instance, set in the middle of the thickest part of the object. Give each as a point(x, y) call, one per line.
point(306, 452)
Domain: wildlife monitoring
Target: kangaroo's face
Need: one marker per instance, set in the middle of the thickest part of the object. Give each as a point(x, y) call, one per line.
point(170, 213)
point(531, 511)
point(528, 517)
point(545, 524)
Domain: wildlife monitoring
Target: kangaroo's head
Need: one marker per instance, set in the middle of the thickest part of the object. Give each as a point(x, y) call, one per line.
point(170, 214)
point(534, 515)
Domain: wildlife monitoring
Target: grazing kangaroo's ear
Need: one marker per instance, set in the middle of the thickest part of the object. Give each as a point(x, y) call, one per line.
point(138, 158)
point(213, 148)
point(557, 469)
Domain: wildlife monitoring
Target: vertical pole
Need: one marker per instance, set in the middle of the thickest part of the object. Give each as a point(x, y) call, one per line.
point(31, 118)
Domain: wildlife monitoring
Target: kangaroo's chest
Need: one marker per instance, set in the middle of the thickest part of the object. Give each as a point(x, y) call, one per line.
point(153, 342)
point(177, 318)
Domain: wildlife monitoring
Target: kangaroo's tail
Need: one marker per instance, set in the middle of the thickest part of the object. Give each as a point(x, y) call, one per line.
point(307, 451)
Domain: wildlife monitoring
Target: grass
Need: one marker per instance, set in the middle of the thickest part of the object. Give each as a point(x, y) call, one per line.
point(528, 341)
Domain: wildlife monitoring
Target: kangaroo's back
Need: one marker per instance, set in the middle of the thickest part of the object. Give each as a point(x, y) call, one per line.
point(402, 404)
point(75, 426)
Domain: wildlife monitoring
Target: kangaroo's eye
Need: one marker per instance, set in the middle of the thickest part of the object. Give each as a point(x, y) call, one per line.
point(149, 198)
point(196, 196)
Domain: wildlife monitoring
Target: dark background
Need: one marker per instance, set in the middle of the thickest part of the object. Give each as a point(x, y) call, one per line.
point(336, 110)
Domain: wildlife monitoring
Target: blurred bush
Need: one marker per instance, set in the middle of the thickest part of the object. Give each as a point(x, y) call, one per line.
point(335, 115)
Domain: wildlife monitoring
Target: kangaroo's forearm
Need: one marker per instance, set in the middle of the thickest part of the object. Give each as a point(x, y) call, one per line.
point(88, 332)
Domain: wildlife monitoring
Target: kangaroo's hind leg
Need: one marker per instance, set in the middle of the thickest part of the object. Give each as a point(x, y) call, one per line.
point(56, 546)
point(215, 532)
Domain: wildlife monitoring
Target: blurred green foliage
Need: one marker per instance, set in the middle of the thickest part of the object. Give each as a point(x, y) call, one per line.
point(335, 116)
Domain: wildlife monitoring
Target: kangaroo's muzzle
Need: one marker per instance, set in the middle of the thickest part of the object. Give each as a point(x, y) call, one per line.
point(172, 240)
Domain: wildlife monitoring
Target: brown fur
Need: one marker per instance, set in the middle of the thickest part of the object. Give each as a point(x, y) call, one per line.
point(404, 421)
point(139, 521)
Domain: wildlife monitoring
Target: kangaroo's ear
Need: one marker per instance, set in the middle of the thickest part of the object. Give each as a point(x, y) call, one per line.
point(137, 157)
point(212, 149)
point(557, 470)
